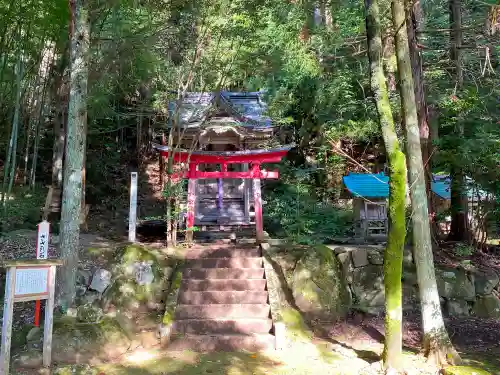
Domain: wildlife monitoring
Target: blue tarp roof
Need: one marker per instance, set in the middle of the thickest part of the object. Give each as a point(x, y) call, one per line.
point(367, 185)
point(372, 185)
point(441, 187)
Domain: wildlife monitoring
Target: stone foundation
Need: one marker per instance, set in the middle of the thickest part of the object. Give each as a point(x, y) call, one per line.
point(463, 292)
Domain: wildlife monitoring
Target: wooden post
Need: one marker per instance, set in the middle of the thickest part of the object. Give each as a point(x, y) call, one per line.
point(191, 200)
point(132, 217)
point(246, 195)
point(257, 197)
point(49, 317)
point(8, 310)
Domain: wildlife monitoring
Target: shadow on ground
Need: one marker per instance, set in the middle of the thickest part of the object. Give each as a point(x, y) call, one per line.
point(186, 363)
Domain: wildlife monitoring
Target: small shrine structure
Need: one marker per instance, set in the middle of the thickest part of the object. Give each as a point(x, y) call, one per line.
point(370, 192)
point(224, 141)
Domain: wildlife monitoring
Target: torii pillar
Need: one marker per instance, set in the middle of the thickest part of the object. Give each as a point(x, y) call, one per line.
point(257, 201)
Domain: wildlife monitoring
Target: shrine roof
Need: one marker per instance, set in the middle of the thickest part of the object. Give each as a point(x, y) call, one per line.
point(246, 108)
point(370, 185)
point(441, 186)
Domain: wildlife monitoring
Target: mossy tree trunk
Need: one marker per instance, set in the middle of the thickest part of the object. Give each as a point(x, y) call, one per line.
point(75, 150)
point(397, 188)
point(436, 342)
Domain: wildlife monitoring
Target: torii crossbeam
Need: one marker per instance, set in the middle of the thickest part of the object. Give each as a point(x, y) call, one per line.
point(255, 158)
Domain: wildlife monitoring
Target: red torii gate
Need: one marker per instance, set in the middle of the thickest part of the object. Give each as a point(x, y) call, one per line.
point(253, 157)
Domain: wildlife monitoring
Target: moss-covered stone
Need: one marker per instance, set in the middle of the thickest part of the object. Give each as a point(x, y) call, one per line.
point(89, 313)
point(368, 287)
point(72, 339)
point(125, 292)
point(318, 285)
point(171, 302)
point(487, 307)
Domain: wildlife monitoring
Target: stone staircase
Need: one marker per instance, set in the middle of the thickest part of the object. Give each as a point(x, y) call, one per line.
point(223, 301)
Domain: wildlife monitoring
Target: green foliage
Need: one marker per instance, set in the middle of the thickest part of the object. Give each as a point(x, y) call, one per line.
point(24, 209)
point(293, 211)
point(463, 250)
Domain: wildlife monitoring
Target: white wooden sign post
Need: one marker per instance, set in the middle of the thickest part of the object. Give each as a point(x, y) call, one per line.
point(132, 216)
point(28, 280)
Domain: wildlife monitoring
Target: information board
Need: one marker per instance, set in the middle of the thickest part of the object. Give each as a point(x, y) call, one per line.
point(31, 281)
point(28, 280)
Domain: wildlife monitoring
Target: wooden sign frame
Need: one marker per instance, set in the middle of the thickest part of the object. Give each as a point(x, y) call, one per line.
point(10, 298)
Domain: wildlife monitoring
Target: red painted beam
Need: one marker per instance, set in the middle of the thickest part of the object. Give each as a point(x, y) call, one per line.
point(245, 174)
point(222, 159)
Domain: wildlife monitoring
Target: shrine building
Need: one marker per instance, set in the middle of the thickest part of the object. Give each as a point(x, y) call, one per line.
point(223, 141)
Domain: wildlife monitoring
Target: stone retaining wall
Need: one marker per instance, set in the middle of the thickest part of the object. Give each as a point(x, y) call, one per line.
point(463, 291)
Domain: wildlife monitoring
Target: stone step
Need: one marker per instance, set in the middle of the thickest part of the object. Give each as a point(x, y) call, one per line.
point(223, 273)
point(222, 311)
point(222, 326)
point(209, 343)
point(222, 252)
point(223, 285)
point(187, 297)
point(235, 262)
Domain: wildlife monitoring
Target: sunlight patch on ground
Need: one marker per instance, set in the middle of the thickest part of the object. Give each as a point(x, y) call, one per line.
point(141, 356)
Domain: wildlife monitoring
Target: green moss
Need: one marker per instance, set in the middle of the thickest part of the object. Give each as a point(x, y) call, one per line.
point(170, 305)
point(465, 370)
point(168, 317)
point(295, 323)
point(19, 336)
point(176, 281)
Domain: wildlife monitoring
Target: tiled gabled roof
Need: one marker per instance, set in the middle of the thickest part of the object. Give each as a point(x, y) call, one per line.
point(247, 108)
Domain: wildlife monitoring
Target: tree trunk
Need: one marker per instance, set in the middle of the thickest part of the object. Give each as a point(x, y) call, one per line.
point(459, 230)
point(15, 125)
point(414, 20)
point(436, 343)
point(75, 148)
point(397, 188)
point(162, 163)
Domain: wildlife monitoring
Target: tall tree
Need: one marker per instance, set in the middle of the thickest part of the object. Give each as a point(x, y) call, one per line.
point(436, 342)
point(459, 229)
point(75, 149)
point(393, 256)
point(414, 24)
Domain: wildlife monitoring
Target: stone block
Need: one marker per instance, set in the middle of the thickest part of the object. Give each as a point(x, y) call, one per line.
point(368, 286)
point(485, 282)
point(375, 257)
point(455, 284)
point(360, 257)
point(487, 307)
point(319, 287)
point(83, 277)
point(346, 264)
point(100, 280)
point(337, 249)
point(410, 276)
point(458, 307)
point(407, 256)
